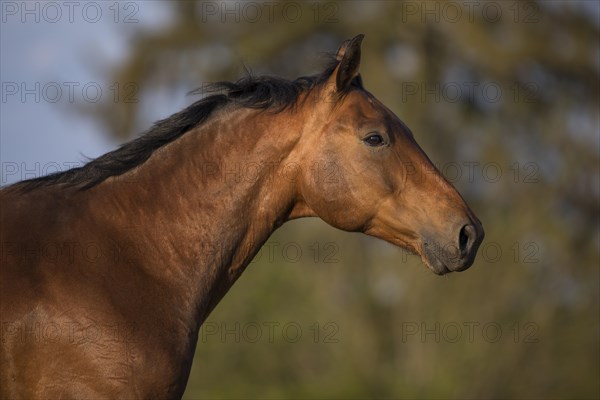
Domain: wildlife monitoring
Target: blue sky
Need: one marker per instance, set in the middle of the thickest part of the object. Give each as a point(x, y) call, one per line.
point(53, 60)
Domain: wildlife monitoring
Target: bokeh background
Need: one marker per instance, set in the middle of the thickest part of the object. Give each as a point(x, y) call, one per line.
point(502, 95)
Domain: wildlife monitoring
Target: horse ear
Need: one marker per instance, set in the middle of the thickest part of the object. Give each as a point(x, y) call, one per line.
point(341, 50)
point(348, 55)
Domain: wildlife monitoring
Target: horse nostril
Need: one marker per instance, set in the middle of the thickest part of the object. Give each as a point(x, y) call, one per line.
point(464, 242)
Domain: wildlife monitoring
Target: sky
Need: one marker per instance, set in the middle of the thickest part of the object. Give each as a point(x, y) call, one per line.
point(53, 61)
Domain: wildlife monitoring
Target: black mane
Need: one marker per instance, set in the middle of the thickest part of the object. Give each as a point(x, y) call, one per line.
point(262, 92)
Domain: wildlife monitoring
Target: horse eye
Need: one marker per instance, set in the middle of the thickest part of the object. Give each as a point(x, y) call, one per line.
point(374, 140)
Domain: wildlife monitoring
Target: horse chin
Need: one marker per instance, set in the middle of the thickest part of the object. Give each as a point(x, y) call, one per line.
point(434, 264)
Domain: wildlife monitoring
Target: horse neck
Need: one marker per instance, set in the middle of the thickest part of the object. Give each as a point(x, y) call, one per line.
point(202, 206)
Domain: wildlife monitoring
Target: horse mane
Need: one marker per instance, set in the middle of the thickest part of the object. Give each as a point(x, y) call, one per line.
point(258, 92)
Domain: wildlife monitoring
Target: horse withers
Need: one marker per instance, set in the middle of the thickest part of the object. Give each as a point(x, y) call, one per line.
point(109, 270)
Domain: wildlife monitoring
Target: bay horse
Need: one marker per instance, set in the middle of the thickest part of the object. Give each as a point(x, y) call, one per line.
point(108, 270)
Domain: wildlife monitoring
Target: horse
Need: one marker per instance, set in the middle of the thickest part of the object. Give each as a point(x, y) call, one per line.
point(108, 270)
